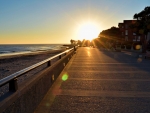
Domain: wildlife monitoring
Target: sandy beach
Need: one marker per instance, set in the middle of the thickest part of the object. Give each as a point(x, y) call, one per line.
point(12, 64)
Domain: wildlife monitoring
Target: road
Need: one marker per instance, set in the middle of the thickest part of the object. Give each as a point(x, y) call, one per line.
point(99, 81)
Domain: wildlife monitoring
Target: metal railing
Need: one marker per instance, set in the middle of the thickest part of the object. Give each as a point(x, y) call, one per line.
point(12, 79)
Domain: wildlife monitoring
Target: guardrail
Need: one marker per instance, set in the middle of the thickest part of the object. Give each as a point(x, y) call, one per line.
point(12, 79)
point(24, 97)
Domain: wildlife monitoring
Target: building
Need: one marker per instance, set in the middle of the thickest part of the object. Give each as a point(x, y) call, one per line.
point(127, 33)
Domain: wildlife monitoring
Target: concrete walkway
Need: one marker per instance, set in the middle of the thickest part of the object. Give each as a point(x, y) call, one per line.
point(96, 81)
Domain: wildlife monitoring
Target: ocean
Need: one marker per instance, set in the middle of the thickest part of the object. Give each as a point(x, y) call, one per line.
point(27, 48)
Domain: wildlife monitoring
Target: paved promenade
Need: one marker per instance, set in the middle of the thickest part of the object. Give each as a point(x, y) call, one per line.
point(96, 81)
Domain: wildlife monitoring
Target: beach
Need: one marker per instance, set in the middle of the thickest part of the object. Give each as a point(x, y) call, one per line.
point(14, 63)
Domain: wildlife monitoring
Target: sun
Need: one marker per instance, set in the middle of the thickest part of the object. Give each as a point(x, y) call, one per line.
point(88, 31)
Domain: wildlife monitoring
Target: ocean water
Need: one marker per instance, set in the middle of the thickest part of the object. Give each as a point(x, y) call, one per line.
point(27, 48)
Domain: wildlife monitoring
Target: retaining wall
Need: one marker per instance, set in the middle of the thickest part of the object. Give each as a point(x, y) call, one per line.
point(32, 90)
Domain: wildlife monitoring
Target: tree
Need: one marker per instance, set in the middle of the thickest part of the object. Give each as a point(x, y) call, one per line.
point(112, 35)
point(113, 31)
point(72, 42)
point(136, 16)
point(142, 25)
point(79, 43)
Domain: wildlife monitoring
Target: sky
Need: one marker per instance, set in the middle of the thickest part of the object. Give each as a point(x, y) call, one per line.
point(59, 21)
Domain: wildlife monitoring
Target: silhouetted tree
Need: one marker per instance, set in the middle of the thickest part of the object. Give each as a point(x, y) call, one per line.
point(73, 42)
point(79, 43)
point(112, 34)
point(113, 31)
point(108, 37)
point(142, 25)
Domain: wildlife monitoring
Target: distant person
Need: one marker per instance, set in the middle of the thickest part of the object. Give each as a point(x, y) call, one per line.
point(74, 48)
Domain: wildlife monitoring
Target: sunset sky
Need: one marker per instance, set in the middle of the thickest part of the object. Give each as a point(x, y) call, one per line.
point(58, 21)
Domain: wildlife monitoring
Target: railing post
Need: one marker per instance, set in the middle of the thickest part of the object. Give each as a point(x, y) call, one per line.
point(74, 50)
point(59, 56)
point(13, 86)
point(49, 63)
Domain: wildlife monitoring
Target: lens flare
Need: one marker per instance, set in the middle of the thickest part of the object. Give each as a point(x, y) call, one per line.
point(64, 77)
point(139, 60)
point(137, 47)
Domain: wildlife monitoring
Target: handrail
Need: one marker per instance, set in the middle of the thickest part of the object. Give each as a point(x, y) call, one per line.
point(23, 71)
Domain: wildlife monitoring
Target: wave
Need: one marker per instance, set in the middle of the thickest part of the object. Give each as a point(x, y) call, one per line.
point(4, 49)
point(11, 50)
point(3, 52)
